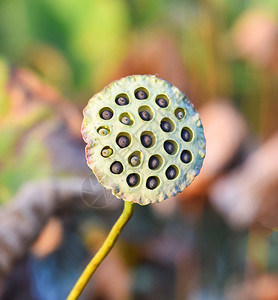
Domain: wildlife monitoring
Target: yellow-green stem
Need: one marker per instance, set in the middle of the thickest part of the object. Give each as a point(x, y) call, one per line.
point(102, 252)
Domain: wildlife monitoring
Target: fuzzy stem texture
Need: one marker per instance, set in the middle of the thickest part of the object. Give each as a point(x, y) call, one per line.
point(102, 252)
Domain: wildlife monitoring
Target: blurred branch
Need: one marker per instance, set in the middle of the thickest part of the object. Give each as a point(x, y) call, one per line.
point(22, 220)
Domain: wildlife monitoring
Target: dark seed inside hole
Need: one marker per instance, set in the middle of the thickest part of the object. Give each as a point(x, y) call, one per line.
point(134, 160)
point(116, 167)
point(165, 126)
point(141, 95)
point(106, 114)
point(171, 172)
point(180, 115)
point(146, 140)
point(161, 102)
point(132, 179)
point(153, 162)
point(185, 135)
point(185, 156)
point(145, 115)
point(121, 101)
point(123, 141)
point(169, 147)
point(151, 183)
point(125, 120)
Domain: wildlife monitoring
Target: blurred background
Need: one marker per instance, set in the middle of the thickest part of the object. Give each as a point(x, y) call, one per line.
point(216, 240)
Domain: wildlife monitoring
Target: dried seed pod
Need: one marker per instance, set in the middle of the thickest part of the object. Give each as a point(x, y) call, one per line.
point(157, 180)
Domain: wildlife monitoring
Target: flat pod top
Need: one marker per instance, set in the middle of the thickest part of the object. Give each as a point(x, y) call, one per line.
point(174, 141)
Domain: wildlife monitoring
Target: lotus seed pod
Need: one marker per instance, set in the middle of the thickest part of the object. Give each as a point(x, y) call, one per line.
point(167, 161)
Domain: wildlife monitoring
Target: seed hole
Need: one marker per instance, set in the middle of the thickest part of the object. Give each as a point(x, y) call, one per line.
point(172, 172)
point(146, 113)
point(135, 158)
point(141, 93)
point(162, 101)
point(106, 151)
point(116, 167)
point(171, 147)
point(123, 139)
point(126, 118)
point(122, 99)
point(186, 134)
point(155, 162)
point(186, 156)
point(152, 182)
point(167, 125)
point(133, 180)
point(103, 130)
point(106, 113)
point(180, 113)
point(147, 139)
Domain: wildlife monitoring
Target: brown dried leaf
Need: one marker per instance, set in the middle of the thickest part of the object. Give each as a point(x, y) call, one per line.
point(244, 192)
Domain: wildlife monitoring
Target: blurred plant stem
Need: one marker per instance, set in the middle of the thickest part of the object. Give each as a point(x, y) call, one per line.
point(102, 252)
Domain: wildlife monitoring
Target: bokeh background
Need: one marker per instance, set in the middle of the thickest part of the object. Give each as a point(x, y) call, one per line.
point(216, 240)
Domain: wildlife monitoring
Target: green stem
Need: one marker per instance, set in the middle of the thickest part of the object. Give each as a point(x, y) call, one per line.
point(102, 252)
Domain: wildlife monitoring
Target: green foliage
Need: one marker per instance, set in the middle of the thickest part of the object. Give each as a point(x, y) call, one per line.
point(23, 156)
point(4, 98)
point(90, 34)
point(31, 164)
